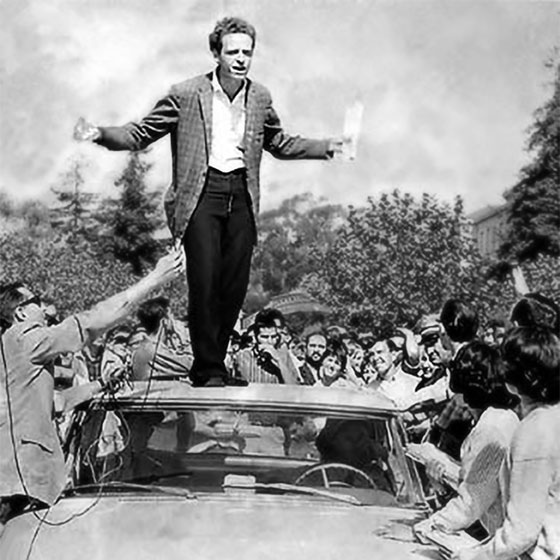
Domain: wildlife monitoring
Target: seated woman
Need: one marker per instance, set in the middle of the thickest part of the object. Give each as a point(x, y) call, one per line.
point(476, 373)
point(531, 472)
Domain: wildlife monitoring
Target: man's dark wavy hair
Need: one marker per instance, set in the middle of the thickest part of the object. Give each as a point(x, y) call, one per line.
point(10, 298)
point(477, 373)
point(459, 320)
point(532, 358)
point(229, 25)
point(151, 313)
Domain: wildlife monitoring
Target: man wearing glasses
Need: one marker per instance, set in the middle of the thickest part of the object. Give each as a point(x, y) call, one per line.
point(31, 459)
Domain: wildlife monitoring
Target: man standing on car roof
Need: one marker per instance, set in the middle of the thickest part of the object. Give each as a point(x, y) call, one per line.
point(219, 124)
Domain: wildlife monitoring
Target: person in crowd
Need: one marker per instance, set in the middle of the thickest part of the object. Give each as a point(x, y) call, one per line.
point(435, 351)
point(460, 322)
point(332, 372)
point(219, 123)
point(536, 309)
point(530, 478)
point(116, 359)
point(315, 348)
point(284, 336)
point(297, 349)
point(336, 332)
point(369, 371)
point(162, 353)
point(399, 386)
point(478, 375)
point(356, 355)
point(264, 362)
point(494, 332)
point(86, 363)
point(32, 470)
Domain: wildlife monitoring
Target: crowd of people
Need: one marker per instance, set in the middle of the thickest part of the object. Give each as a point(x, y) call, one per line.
point(484, 395)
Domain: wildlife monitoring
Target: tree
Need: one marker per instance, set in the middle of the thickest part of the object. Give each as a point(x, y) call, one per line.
point(131, 220)
point(534, 202)
point(74, 216)
point(292, 242)
point(74, 280)
point(397, 259)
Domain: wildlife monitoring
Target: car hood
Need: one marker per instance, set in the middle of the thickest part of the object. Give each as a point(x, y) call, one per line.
point(209, 527)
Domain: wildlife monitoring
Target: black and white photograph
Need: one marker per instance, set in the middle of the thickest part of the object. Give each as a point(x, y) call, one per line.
point(280, 280)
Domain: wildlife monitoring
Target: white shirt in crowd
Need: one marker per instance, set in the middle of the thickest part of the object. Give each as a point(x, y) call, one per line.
point(401, 389)
point(479, 495)
point(531, 491)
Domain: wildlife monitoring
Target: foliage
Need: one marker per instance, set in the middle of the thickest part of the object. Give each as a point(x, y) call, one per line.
point(399, 258)
point(534, 202)
point(293, 240)
point(73, 216)
point(130, 220)
point(73, 276)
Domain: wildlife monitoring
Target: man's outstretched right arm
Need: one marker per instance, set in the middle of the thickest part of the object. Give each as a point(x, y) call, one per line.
point(161, 120)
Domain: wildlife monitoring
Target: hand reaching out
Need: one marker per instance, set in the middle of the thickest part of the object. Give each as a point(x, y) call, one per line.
point(85, 131)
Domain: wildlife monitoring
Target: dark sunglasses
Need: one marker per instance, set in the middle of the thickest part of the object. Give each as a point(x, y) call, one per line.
point(32, 300)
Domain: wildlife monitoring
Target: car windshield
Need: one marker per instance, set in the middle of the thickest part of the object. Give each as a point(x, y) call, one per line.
point(224, 448)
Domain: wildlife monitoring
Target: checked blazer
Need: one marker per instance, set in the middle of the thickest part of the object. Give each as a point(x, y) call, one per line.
point(186, 115)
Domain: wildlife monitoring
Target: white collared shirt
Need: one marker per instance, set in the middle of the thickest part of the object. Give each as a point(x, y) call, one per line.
point(228, 128)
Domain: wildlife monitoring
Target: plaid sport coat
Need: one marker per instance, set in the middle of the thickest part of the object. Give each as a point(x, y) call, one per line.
point(186, 115)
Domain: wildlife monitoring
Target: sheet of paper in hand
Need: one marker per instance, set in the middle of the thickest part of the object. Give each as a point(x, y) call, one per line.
point(352, 127)
point(450, 543)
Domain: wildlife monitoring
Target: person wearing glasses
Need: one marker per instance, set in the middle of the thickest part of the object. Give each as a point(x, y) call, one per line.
point(32, 469)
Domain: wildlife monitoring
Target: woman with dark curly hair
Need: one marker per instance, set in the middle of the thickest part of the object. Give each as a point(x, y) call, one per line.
point(477, 374)
point(531, 473)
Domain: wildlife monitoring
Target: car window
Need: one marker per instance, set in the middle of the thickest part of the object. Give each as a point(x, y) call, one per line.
point(199, 448)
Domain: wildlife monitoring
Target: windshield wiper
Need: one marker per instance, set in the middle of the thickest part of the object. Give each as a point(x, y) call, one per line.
point(123, 485)
point(294, 488)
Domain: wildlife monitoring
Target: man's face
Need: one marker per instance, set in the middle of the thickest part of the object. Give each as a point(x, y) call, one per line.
point(316, 348)
point(382, 359)
point(268, 336)
point(236, 55)
point(31, 308)
point(434, 357)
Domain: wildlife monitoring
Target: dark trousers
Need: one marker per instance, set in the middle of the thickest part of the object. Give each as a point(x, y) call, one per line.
point(218, 244)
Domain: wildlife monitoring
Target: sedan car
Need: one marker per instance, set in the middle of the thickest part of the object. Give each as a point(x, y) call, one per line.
point(167, 471)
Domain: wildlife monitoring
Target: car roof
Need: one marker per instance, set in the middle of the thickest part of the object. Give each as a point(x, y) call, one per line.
point(297, 397)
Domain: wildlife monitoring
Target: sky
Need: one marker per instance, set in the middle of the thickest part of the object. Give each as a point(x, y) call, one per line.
point(449, 88)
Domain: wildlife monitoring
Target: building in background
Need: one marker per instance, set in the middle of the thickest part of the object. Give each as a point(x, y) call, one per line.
point(488, 228)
